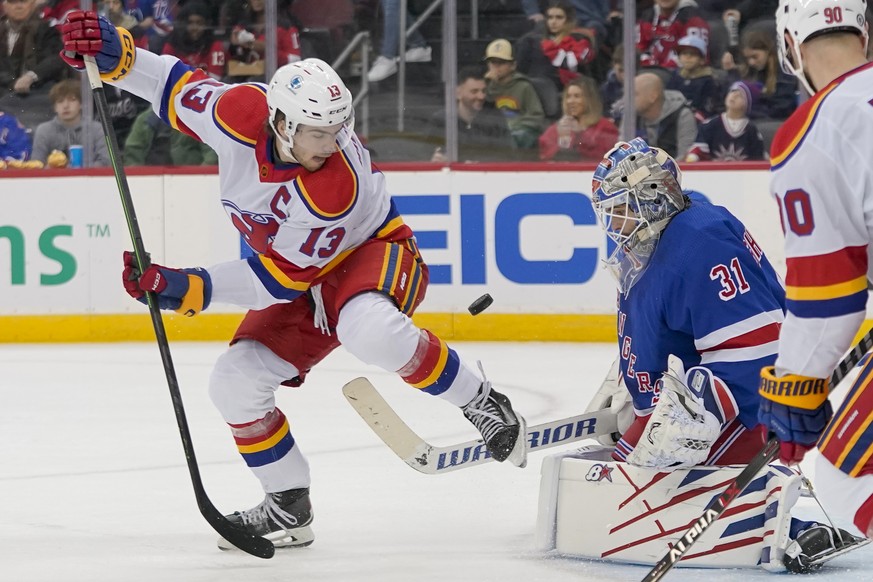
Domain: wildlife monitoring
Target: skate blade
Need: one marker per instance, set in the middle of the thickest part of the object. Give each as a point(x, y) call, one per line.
point(518, 456)
point(296, 538)
point(818, 562)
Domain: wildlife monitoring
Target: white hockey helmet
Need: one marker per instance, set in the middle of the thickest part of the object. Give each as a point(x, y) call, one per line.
point(309, 92)
point(806, 19)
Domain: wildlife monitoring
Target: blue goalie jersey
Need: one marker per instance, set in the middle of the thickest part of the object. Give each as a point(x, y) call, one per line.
point(710, 297)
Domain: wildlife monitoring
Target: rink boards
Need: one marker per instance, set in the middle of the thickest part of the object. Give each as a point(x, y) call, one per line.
point(526, 235)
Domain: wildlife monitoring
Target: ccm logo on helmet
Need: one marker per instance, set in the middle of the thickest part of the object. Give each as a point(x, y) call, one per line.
point(295, 83)
point(340, 110)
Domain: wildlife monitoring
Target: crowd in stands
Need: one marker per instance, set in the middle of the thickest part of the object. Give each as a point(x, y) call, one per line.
point(708, 83)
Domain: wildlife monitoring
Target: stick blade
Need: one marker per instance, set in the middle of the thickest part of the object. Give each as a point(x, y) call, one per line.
point(382, 419)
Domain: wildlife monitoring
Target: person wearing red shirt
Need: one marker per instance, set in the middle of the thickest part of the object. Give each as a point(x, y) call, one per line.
point(582, 134)
point(660, 28)
point(192, 41)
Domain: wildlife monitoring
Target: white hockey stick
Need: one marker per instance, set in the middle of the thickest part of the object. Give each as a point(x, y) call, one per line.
point(430, 459)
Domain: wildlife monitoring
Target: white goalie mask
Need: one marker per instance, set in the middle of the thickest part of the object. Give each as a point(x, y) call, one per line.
point(310, 93)
point(802, 20)
point(636, 192)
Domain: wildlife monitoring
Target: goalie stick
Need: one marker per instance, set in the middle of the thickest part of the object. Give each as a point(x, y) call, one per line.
point(769, 452)
point(432, 460)
point(254, 545)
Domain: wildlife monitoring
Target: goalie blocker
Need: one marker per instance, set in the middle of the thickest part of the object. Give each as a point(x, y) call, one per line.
point(591, 506)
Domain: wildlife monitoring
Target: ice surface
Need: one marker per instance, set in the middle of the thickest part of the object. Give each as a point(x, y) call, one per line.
point(94, 486)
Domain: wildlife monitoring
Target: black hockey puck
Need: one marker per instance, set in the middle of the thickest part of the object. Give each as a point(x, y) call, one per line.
point(480, 304)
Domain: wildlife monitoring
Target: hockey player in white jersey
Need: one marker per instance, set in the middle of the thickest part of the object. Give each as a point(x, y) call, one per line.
point(822, 180)
point(334, 264)
point(699, 312)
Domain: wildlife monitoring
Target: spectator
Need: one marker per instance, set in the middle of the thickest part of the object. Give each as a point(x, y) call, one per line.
point(664, 119)
point(591, 14)
point(660, 27)
point(762, 72)
point(513, 95)
point(123, 110)
point(29, 48)
point(148, 130)
point(694, 78)
point(157, 21)
point(731, 136)
point(482, 132)
point(14, 139)
point(193, 42)
point(612, 90)
point(582, 134)
point(116, 12)
point(67, 128)
point(566, 48)
point(247, 41)
point(386, 63)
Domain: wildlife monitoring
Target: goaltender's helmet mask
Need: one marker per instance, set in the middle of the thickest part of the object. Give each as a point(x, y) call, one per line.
point(636, 192)
point(310, 94)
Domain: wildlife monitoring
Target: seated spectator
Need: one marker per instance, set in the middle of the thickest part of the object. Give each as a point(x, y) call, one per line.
point(731, 136)
point(664, 119)
point(247, 41)
point(482, 132)
point(192, 40)
point(762, 72)
point(660, 27)
point(417, 50)
point(117, 13)
point(513, 95)
point(612, 90)
point(565, 47)
point(591, 14)
point(14, 139)
point(694, 78)
point(29, 48)
point(582, 134)
point(157, 21)
point(67, 128)
point(141, 147)
point(561, 50)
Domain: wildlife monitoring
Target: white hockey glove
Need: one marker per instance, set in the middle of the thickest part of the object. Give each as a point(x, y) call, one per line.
point(680, 430)
point(613, 395)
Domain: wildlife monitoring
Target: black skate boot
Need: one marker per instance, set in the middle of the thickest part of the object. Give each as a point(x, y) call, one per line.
point(283, 518)
point(819, 544)
point(503, 430)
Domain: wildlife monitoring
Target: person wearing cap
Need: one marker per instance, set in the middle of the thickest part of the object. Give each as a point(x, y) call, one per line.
point(513, 95)
point(694, 78)
point(731, 136)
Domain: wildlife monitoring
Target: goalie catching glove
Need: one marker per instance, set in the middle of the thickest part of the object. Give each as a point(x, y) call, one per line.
point(85, 34)
point(185, 291)
point(796, 409)
point(683, 425)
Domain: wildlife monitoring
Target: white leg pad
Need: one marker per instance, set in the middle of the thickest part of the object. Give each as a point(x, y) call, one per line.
point(593, 507)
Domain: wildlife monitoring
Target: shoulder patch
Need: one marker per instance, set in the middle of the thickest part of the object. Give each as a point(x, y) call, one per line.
point(791, 134)
point(331, 192)
point(240, 112)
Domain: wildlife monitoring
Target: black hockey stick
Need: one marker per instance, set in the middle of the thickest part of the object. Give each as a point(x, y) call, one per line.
point(254, 545)
point(718, 505)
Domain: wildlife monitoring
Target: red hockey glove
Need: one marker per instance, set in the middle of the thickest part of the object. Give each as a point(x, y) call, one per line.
point(84, 33)
point(185, 291)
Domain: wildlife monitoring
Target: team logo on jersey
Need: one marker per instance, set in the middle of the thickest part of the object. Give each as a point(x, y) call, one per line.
point(599, 472)
point(258, 230)
point(296, 83)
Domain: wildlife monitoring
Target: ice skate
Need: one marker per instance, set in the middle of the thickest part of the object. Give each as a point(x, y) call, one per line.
point(502, 429)
point(817, 545)
point(283, 518)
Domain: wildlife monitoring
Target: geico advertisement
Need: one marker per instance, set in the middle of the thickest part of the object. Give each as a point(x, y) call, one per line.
point(531, 239)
